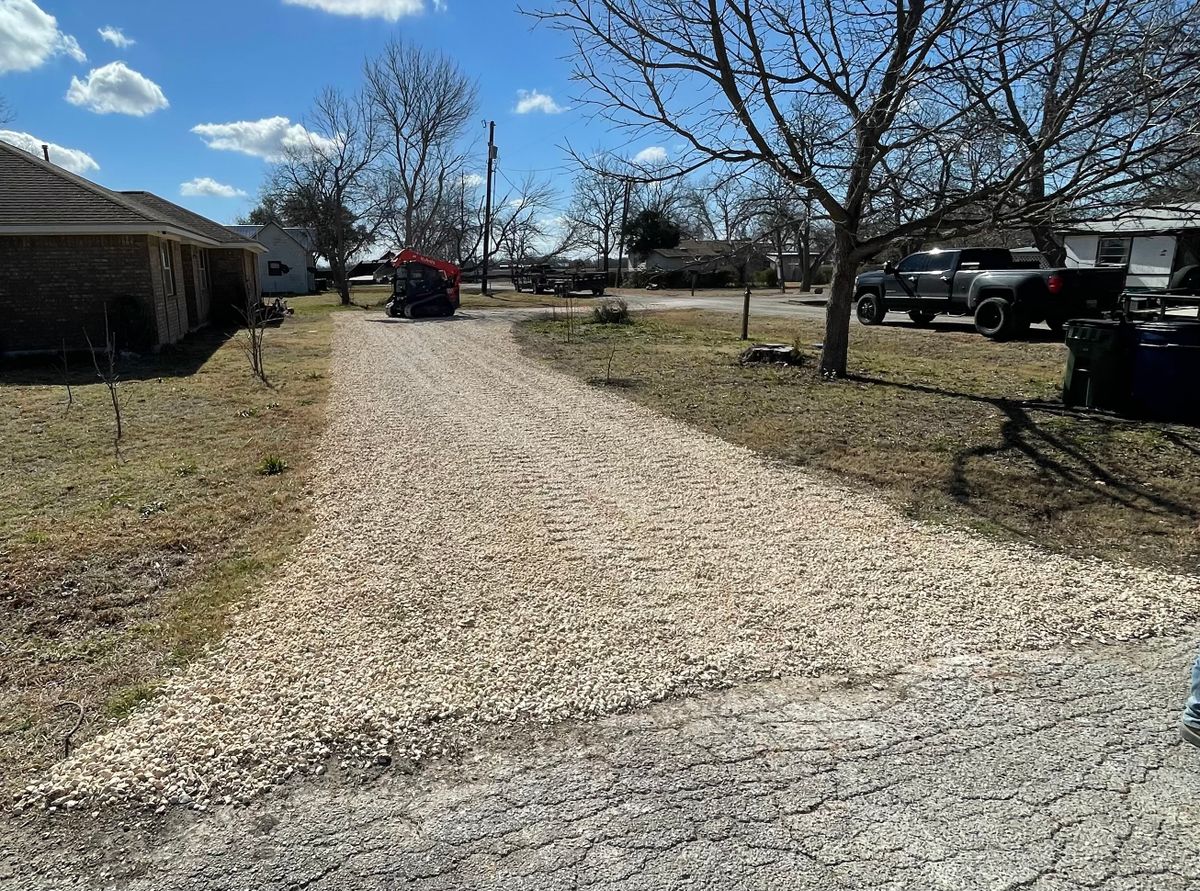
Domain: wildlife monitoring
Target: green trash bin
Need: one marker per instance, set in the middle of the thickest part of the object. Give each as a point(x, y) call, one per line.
point(1099, 369)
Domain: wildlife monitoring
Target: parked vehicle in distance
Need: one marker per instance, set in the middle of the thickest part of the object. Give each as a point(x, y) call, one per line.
point(1004, 297)
point(543, 279)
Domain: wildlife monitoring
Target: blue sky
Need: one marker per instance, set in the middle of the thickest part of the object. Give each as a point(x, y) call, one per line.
point(131, 106)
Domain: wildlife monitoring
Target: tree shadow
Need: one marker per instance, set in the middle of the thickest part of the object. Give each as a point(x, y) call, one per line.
point(176, 360)
point(1066, 461)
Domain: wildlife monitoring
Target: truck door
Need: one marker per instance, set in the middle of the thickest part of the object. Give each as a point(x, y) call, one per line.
point(900, 288)
point(934, 282)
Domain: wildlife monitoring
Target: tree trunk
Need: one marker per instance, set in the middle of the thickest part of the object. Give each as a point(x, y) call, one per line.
point(1054, 252)
point(837, 313)
point(342, 280)
point(802, 247)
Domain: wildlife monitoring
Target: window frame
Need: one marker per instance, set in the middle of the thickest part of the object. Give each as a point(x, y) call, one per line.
point(1127, 250)
point(167, 259)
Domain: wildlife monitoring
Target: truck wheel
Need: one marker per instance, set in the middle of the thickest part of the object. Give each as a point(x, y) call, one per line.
point(920, 319)
point(869, 309)
point(994, 318)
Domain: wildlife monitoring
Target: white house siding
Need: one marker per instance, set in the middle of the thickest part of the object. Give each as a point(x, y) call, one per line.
point(282, 248)
point(1081, 250)
point(1150, 260)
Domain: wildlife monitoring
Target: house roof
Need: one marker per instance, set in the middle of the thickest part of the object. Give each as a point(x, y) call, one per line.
point(168, 210)
point(1161, 218)
point(302, 237)
point(702, 250)
point(43, 198)
point(245, 231)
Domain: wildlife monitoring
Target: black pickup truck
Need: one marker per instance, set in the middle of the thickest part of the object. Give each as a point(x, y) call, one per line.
point(986, 283)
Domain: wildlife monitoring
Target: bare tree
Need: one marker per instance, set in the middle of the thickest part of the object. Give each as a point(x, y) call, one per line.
point(6, 113)
point(423, 104)
point(107, 372)
point(596, 205)
point(722, 206)
point(525, 225)
point(330, 185)
point(256, 326)
point(980, 114)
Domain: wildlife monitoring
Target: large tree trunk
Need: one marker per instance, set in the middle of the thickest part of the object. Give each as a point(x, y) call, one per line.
point(342, 280)
point(841, 299)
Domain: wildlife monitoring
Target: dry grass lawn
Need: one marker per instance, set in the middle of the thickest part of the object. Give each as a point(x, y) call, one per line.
point(951, 426)
point(117, 569)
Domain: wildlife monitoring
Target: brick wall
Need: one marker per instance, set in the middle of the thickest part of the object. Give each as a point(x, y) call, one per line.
point(195, 286)
point(232, 275)
point(170, 299)
point(52, 287)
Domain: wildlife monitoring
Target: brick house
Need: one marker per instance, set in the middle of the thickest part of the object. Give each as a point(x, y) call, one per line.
point(70, 250)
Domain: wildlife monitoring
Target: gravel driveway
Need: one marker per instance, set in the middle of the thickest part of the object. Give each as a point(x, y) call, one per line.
point(497, 543)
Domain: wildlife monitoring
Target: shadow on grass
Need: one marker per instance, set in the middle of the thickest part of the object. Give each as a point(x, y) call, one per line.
point(614, 383)
point(1065, 460)
point(967, 326)
point(177, 360)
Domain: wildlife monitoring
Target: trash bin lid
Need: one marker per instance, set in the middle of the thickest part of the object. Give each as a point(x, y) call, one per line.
point(1181, 331)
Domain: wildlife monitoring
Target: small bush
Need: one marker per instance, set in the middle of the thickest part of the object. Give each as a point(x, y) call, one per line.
point(611, 311)
point(272, 465)
point(767, 278)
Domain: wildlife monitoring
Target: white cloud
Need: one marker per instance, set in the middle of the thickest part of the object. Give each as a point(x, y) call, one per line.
point(655, 154)
point(29, 37)
point(116, 37)
point(269, 138)
point(69, 159)
point(531, 100)
point(472, 180)
point(207, 187)
point(392, 10)
point(117, 89)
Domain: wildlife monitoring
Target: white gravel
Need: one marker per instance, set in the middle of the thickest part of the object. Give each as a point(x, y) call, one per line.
point(495, 542)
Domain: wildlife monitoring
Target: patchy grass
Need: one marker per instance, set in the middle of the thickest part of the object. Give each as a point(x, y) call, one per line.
point(114, 570)
point(948, 425)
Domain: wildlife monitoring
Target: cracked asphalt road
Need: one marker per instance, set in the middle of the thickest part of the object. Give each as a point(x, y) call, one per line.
point(1049, 771)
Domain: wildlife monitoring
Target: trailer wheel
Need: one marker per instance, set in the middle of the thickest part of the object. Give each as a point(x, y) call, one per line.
point(869, 308)
point(995, 318)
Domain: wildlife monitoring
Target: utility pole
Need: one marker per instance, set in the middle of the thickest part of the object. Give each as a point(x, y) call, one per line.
point(621, 233)
point(487, 210)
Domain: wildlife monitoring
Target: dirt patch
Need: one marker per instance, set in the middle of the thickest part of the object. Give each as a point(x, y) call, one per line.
point(117, 569)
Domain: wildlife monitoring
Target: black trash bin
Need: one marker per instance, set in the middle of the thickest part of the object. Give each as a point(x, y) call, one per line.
point(1166, 371)
point(1098, 365)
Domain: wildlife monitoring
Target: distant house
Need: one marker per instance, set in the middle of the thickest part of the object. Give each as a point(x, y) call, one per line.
point(1160, 245)
point(288, 266)
point(707, 257)
point(72, 251)
point(373, 272)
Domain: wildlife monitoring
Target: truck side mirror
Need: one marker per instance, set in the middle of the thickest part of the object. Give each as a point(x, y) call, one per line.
point(889, 268)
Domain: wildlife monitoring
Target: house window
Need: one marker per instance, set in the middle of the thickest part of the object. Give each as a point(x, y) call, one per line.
point(1112, 252)
point(168, 268)
point(276, 268)
point(202, 262)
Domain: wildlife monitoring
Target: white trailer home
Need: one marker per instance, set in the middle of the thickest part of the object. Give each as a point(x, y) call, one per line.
point(286, 266)
point(1160, 245)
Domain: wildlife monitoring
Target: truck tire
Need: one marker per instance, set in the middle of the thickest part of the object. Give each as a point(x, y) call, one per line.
point(869, 308)
point(920, 319)
point(995, 318)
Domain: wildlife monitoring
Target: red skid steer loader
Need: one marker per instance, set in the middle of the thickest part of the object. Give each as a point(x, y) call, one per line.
point(423, 287)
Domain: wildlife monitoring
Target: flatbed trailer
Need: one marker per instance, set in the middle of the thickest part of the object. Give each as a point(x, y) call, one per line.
point(542, 279)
